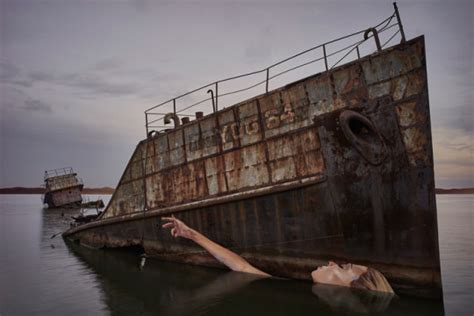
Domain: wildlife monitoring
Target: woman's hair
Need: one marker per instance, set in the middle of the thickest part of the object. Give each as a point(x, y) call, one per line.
point(372, 280)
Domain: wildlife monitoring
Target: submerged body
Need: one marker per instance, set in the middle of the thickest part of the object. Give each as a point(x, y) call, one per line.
point(349, 275)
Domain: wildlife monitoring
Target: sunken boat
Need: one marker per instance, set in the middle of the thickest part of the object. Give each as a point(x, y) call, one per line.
point(337, 165)
point(62, 188)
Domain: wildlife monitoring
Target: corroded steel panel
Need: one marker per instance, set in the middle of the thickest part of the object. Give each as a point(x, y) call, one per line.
point(128, 198)
point(192, 139)
point(209, 138)
point(215, 174)
point(176, 147)
point(249, 130)
point(278, 117)
point(66, 196)
point(246, 167)
point(154, 191)
point(228, 129)
point(295, 155)
point(162, 158)
point(187, 182)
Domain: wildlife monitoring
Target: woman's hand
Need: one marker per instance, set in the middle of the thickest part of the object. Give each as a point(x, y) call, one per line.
point(178, 228)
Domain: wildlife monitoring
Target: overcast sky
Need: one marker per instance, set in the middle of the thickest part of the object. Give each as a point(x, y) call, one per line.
point(76, 76)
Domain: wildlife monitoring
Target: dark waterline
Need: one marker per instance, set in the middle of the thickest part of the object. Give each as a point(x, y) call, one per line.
point(40, 275)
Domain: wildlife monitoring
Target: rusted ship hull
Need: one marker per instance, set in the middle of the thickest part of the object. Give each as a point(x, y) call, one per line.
point(336, 166)
point(68, 197)
point(62, 188)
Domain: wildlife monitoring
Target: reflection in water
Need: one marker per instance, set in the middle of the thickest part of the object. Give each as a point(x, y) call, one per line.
point(355, 300)
point(178, 289)
point(44, 276)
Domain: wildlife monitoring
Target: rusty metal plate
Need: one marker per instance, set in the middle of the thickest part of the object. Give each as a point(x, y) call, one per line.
point(154, 191)
point(215, 174)
point(295, 155)
point(192, 139)
point(246, 168)
point(184, 184)
point(128, 198)
point(386, 66)
point(176, 145)
point(248, 129)
point(321, 96)
point(209, 136)
point(228, 129)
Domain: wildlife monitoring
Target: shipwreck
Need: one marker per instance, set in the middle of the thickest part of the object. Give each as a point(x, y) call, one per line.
point(62, 188)
point(337, 165)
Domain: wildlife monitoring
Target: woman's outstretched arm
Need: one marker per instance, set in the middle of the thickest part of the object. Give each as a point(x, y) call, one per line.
point(224, 255)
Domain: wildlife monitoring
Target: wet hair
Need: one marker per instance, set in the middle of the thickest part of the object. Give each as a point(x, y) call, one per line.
point(372, 280)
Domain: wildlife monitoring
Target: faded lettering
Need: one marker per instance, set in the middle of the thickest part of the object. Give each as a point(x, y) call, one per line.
point(274, 119)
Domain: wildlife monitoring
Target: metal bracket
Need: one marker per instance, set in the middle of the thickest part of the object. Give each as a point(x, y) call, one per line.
point(171, 116)
point(376, 37)
point(151, 133)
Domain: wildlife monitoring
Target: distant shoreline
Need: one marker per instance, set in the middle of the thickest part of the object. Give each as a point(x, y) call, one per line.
point(22, 190)
point(109, 190)
point(455, 191)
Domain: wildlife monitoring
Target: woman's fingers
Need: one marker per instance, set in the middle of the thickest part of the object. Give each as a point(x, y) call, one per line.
point(174, 224)
point(168, 225)
point(170, 219)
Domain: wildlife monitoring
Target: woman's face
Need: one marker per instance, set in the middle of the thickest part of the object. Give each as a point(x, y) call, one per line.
point(336, 274)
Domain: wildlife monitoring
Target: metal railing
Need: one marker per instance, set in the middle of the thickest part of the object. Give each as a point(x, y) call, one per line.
point(57, 172)
point(171, 109)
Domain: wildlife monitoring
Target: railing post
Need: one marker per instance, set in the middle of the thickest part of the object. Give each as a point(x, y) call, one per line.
point(400, 26)
point(217, 97)
point(146, 123)
point(325, 57)
point(268, 77)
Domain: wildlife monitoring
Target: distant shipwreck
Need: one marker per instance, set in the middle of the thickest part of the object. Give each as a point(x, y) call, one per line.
point(63, 189)
point(337, 165)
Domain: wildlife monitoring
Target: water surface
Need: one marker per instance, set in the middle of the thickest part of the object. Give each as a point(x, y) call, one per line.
point(45, 276)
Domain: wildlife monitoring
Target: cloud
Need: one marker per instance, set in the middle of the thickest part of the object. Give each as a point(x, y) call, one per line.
point(458, 116)
point(89, 82)
point(453, 157)
point(14, 98)
point(37, 106)
point(259, 50)
point(107, 65)
point(11, 74)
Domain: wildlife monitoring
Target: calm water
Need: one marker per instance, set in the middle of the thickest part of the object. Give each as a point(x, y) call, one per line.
point(44, 276)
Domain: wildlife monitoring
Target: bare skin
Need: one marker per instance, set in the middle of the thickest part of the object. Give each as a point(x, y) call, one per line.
point(222, 254)
point(330, 274)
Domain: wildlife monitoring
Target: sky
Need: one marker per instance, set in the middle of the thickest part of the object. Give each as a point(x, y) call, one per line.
point(76, 76)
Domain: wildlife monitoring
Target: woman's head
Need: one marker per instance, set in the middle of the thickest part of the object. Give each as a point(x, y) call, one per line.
point(351, 275)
